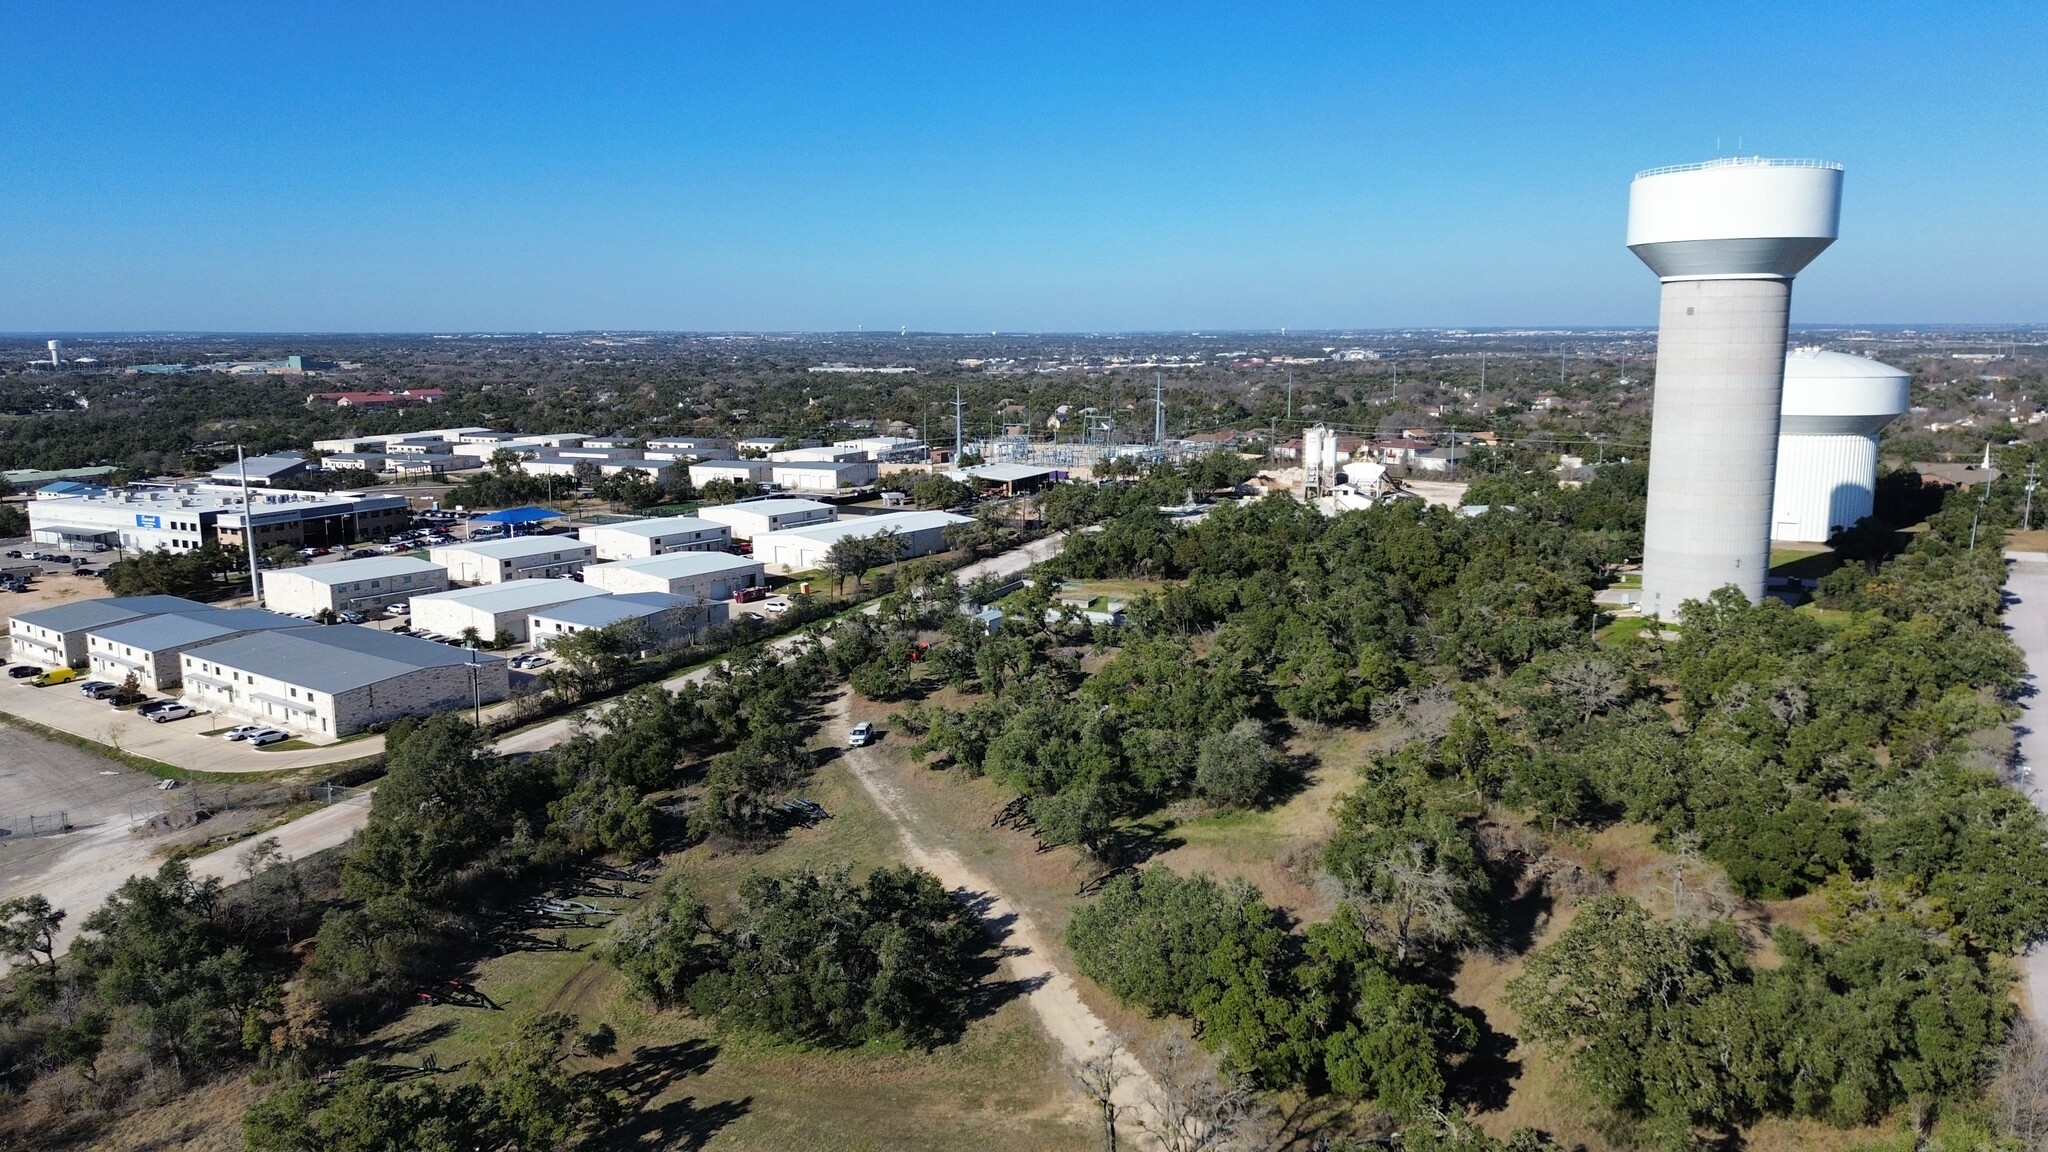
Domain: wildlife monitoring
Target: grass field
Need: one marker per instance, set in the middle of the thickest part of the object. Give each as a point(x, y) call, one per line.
point(998, 1088)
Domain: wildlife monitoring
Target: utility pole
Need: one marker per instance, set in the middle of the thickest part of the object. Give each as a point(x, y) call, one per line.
point(1290, 395)
point(476, 689)
point(248, 526)
point(1482, 383)
point(2027, 517)
point(959, 407)
point(1159, 409)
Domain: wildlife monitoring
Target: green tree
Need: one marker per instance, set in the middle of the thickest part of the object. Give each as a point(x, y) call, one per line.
point(1237, 767)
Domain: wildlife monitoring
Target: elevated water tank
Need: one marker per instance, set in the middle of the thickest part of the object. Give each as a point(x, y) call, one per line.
point(1834, 407)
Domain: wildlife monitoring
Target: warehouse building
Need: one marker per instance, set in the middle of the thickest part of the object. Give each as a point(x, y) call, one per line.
point(365, 585)
point(665, 618)
point(55, 637)
point(698, 576)
point(493, 608)
point(149, 647)
point(731, 471)
point(278, 469)
point(337, 681)
point(804, 549)
point(823, 475)
point(519, 558)
point(657, 536)
point(181, 517)
point(751, 518)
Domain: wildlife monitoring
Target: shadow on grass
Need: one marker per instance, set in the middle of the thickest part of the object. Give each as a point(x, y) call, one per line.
point(649, 1121)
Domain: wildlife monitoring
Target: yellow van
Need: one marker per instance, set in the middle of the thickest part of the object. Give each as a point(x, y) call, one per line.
point(54, 676)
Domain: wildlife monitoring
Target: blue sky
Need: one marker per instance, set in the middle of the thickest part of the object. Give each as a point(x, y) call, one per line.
point(436, 166)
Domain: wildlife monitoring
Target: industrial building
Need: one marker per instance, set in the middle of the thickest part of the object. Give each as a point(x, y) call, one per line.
point(559, 465)
point(181, 517)
point(656, 536)
point(493, 608)
point(518, 558)
point(337, 681)
point(264, 471)
point(1006, 479)
point(149, 646)
point(804, 549)
point(731, 471)
point(55, 637)
point(1725, 238)
point(365, 585)
point(822, 475)
point(664, 618)
point(702, 447)
point(750, 518)
point(1833, 409)
point(697, 576)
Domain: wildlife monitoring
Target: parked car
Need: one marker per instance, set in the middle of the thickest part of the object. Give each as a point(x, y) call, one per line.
point(268, 736)
point(362, 554)
point(54, 676)
point(242, 731)
point(87, 572)
point(775, 607)
point(166, 785)
point(863, 734)
point(353, 617)
point(402, 608)
point(95, 689)
point(176, 711)
point(99, 548)
point(15, 554)
point(23, 671)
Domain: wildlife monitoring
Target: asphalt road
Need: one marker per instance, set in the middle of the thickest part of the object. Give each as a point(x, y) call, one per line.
point(2026, 619)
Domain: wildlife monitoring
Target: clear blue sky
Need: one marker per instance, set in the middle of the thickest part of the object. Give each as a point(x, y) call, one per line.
point(433, 166)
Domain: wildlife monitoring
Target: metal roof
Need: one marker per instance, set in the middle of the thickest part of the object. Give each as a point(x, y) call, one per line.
point(657, 526)
point(84, 615)
point(602, 611)
point(768, 507)
point(515, 548)
point(177, 629)
point(333, 659)
point(864, 526)
point(261, 467)
point(511, 596)
point(368, 568)
point(674, 564)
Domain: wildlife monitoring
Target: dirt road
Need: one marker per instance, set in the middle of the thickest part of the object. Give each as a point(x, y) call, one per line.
point(1079, 1032)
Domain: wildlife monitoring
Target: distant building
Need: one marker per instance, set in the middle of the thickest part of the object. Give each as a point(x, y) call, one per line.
point(665, 618)
point(696, 576)
point(656, 536)
point(731, 471)
point(519, 558)
point(403, 399)
point(804, 549)
point(494, 608)
point(365, 585)
point(181, 517)
point(750, 518)
point(263, 471)
point(823, 476)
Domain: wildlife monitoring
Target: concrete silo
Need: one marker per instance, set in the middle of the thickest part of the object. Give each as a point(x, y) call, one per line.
point(1726, 238)
point(1834, 407)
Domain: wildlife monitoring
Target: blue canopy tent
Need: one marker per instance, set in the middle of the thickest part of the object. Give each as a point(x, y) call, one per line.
point(516, 518)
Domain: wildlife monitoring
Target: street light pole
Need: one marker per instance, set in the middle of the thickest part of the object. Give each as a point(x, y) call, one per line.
point(248, 526)
point(476, 689)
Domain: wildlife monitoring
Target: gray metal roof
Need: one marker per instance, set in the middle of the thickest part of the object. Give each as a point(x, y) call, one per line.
point(670, 565)
point(838, 530)
point(368, 568)
point(771, 508)
point(512, 595)
point(261, 467)
point(655, 526)
point(602, 611)
point(336, 658)
point(515, 548)
point(85, 615)
point(178, 629)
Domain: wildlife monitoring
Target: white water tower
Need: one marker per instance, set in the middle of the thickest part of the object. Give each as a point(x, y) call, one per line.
point(1834, 407)
point(56, 346)
point(1726, 238)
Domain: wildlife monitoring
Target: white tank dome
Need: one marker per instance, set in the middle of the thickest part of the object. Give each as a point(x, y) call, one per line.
point(1834, 406)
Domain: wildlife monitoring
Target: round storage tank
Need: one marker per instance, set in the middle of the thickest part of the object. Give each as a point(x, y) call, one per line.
point(1834, 407)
